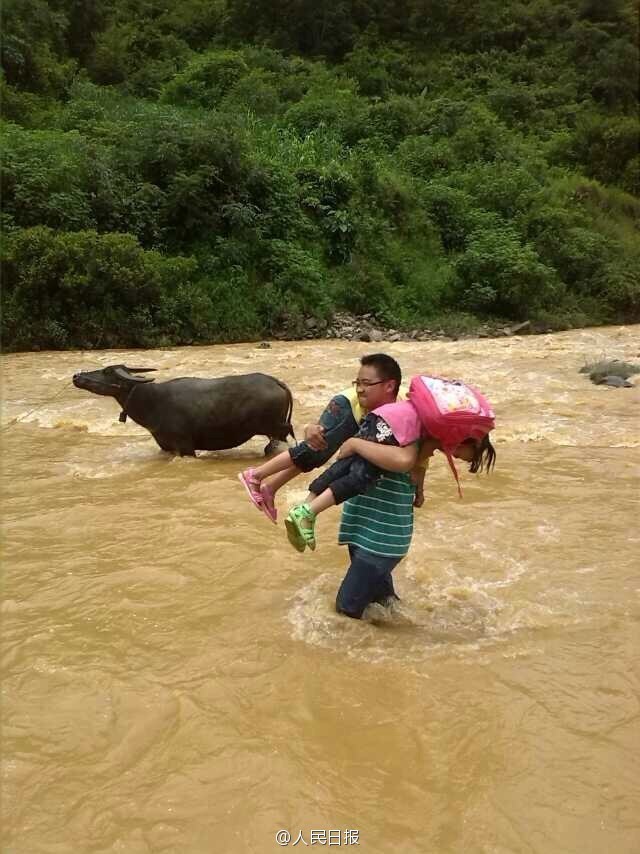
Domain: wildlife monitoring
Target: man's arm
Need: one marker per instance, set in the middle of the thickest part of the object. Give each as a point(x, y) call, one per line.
point(388, 457)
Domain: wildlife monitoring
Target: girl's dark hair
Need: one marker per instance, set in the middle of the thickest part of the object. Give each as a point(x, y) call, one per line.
point(484, 455)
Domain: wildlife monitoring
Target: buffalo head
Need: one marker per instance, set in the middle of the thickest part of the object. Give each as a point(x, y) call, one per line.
point(111, 381)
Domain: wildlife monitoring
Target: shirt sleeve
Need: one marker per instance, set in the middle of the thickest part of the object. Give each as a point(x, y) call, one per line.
point(352, 396)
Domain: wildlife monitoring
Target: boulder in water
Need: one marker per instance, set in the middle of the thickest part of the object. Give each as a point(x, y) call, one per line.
point(613, 381)
point(611, 372)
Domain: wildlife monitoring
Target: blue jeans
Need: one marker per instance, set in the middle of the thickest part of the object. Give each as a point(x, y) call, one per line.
point(368, 580)
point(339, 425)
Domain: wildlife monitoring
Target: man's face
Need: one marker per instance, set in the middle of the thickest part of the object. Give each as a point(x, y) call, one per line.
point(372, 390)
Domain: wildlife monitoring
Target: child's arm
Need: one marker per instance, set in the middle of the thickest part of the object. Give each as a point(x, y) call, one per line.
point(417, 476)
point(420, 469)
point(387, 457)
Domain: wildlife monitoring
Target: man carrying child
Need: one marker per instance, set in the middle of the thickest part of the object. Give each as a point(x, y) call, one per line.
point(378, 525)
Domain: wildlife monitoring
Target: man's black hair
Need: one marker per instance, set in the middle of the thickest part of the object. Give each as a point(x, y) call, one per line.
point(386, 366)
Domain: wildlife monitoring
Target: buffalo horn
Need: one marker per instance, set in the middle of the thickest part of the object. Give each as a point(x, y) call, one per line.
point(125, 375)
point(139, 370)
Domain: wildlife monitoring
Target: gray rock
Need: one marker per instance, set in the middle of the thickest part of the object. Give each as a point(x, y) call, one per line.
point(264, 345)
point(365, 336)
point(609, 368)
point(614, 382)
point(520, 328)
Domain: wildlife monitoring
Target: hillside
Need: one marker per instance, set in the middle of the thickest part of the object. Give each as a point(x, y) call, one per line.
point(219, 171)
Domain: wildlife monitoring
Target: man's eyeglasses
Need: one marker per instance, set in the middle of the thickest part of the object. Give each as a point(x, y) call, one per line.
point(367, 383)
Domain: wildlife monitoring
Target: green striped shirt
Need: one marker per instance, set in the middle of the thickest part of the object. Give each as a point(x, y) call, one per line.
point(381, 520)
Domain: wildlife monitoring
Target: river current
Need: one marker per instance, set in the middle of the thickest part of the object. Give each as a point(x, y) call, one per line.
point(175, 678)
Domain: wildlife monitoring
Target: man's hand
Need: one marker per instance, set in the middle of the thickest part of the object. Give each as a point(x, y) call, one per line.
point(314, 437)
point(418, 501)
point(347, 449)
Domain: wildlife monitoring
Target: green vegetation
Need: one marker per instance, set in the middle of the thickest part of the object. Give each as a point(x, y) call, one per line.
point(219, 170)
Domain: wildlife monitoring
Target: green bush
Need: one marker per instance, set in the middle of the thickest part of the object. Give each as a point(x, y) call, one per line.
point(498, 274)
point(426, 157)
point(343, 112)
point(604, 147)
point(395, 119)
point(44, 178)
point(382, 71)
point(617, 285)
point(206, 79)
point(137, 54)
point(32, 42)
point(452, 211)
point(256, 92)
point(296, 285)
point(83, 289)
point(324, 195)
point(505, 187)
point(449, 162)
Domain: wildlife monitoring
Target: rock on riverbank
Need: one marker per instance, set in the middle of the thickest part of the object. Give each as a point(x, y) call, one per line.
point(367, 328)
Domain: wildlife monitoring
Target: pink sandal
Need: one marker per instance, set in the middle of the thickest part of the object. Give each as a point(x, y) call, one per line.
point(252, 485)
point(268, 506)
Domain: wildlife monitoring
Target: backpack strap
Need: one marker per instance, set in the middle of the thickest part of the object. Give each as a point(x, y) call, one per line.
point(453, 468)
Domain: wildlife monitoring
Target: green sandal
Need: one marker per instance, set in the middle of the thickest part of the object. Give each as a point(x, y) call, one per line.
point(301, 535)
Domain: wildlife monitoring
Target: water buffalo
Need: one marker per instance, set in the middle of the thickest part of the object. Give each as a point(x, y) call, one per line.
point(189, 414)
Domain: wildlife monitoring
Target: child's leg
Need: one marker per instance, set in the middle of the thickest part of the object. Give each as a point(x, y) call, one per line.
point(338, 423)
point(301, 521)
point(321, 502)
point(353, 475)
point(260, 494)
point(335, 471)
point(277, 480)
point(280, 463)
point(270, 485)
point(359, 477)
point(344, 479)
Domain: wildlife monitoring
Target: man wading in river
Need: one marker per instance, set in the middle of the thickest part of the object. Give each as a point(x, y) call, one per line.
point(377, 519)
point(373, 558)
point(378, 383)
point(377, 526)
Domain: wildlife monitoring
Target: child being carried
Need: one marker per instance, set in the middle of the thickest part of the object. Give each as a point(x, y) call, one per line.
point(392, 424)
point(440, 415)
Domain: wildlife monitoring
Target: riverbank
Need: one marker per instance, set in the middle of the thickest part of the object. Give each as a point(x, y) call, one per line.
point(368, 328)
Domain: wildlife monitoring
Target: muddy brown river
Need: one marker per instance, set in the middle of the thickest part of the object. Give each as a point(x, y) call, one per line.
point(175, 678)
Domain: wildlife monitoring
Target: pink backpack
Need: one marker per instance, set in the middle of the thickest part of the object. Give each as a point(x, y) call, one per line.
point(450, 411)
